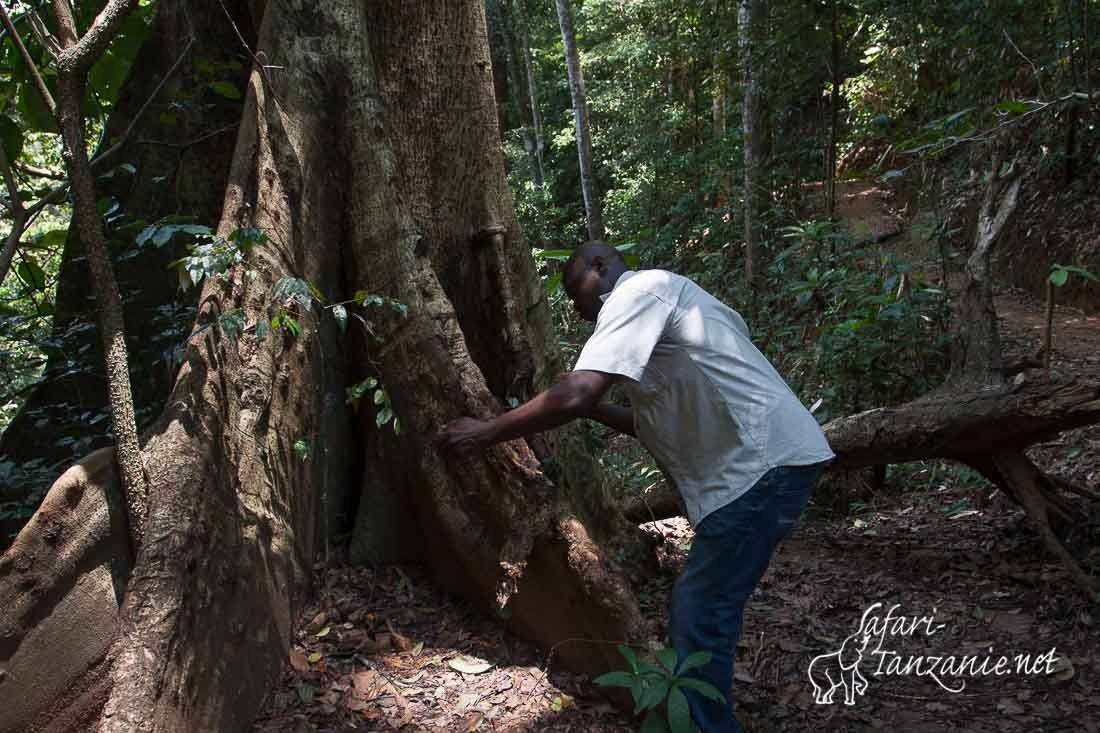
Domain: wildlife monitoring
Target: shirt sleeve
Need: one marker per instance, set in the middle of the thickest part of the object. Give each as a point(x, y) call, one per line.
point(629, 325)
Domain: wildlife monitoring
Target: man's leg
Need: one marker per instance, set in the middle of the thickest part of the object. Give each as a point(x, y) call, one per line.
point(731, 550)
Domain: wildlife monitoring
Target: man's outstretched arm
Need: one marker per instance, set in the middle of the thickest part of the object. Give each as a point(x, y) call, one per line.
point(613, 416)
point(574, 395)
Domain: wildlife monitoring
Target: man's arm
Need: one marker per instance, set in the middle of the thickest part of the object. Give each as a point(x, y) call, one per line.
point(574, 395)
point(613, 416)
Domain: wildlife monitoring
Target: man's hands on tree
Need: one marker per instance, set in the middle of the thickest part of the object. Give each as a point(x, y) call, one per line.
point(574, 395)
point(465, 437)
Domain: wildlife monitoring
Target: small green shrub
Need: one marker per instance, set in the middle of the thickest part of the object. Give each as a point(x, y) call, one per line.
point(658, 689)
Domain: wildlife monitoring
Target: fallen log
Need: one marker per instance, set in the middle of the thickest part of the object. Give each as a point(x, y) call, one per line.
point(1032, 408)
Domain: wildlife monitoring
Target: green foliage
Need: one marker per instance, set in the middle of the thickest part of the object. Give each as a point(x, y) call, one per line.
point(1059, 274)
point(662, 685)
point(383, 408)
point(854, 329)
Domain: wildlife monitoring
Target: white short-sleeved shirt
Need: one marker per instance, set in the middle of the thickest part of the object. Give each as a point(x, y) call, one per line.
point(707, 404)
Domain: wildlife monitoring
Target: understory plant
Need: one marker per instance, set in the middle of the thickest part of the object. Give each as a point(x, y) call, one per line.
point(658, 689)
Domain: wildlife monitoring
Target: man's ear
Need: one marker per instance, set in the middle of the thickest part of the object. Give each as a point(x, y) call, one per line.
point(600, 265)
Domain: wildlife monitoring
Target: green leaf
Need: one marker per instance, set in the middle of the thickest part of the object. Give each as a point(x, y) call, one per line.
point(652, 696)
point(12, 137)
point(160, 234)
point(615, 679)
point(293, 288)
point(553, 282)
point(561, 255)
point(654, 723)
point(379, 397)
point(31, 274)
point(629, 655)
point(383, 416)
point(306, 692)
point(679, 714)
point(1078, 271)
point(33, 113)
point(667, 658)
point(292, 325)
point(341, 315)
point(232, 323)
point(694, 660)
point(705, 689)
point(48, 240)
point(225, 89)
point(1013, 107)
point(301, 449)
point(1058, 277)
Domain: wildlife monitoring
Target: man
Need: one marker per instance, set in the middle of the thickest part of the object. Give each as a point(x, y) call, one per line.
point(720, 421)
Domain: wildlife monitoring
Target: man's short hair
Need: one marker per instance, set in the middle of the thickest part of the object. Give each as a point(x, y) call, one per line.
point(587, 251)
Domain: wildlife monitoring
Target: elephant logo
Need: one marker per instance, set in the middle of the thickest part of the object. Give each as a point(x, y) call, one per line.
point(834, 670)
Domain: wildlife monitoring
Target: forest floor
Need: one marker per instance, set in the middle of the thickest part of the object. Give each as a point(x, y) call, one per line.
point(382, 649)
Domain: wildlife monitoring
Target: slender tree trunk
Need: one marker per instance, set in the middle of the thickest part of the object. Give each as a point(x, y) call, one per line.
point(533, 91)
point(520, 94)
point(73, 63)
point(592, 208)
point(834, 101)
point(750, 16)
point(719, 120)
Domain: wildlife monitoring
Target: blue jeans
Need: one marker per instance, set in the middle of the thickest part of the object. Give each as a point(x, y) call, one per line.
point(732, 548)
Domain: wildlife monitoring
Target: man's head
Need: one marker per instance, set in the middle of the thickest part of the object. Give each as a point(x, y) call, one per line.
point(591, 272)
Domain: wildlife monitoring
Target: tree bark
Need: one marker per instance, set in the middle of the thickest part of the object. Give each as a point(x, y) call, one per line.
point(322, 168)
point(976, 357)
point(959, 423)
point(750, 16)
point(112, 329)
point(181, 155)
point(592, 207)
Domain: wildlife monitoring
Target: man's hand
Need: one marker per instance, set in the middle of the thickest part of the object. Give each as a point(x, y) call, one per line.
point(572, 396)
point(465, 437)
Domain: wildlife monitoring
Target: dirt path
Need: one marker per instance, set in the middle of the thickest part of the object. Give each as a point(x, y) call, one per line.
point(873, 213)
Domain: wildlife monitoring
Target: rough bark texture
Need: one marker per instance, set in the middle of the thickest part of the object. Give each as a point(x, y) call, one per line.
point(976, 359)
point(1032, 408)
point(592, 206)
point(171, 178)
point(333, 166)
point(109, 317)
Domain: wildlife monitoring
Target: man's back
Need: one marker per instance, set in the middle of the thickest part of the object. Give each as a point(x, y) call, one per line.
point(708, 405)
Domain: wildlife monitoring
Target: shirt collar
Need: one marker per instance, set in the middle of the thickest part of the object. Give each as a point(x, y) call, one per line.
point(622, 278)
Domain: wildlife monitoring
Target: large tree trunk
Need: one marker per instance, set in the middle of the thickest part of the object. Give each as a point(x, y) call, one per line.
point(592, 207)
point(360, 179)
point(181, 154)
